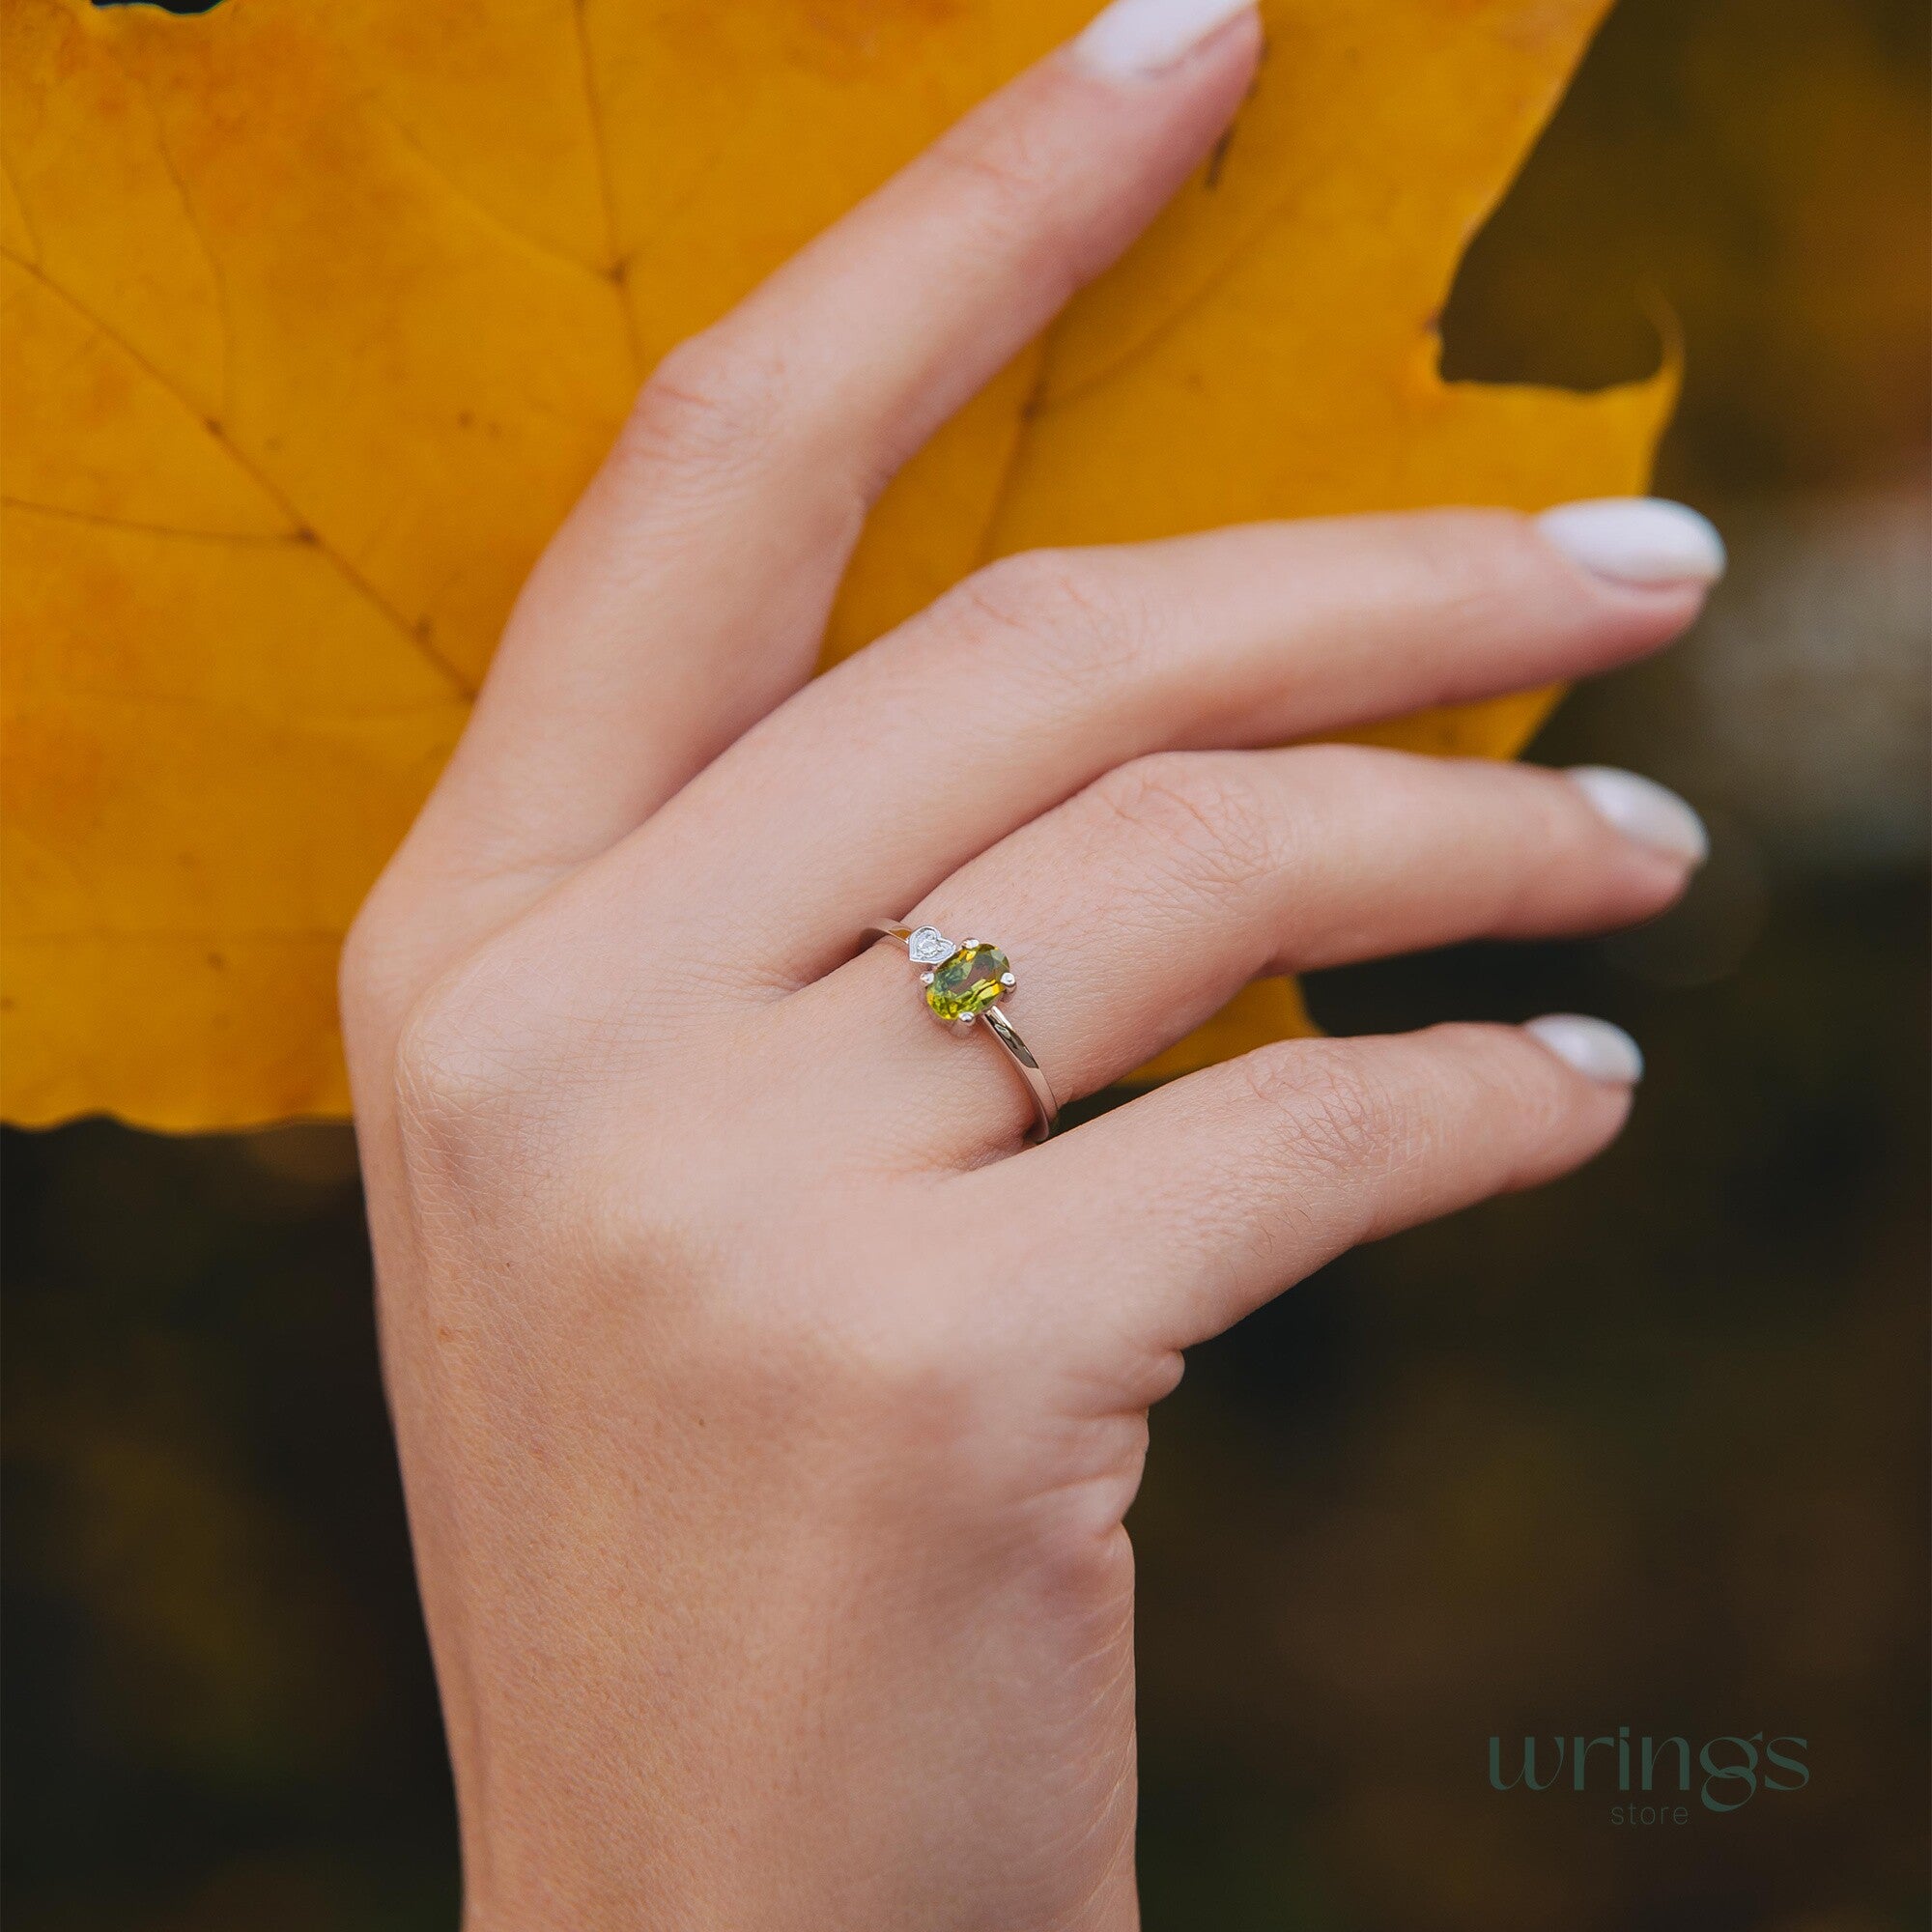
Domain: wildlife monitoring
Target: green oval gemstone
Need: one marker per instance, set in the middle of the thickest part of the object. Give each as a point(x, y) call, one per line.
point(969, 982)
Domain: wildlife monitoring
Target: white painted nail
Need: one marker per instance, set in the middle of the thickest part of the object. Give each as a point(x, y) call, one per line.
point(1133, 39)
point(1644, 811)
point(1640, 540)
point(1592, 1047)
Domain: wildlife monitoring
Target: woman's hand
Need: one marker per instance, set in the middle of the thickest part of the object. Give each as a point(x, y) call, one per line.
point(768, 1415)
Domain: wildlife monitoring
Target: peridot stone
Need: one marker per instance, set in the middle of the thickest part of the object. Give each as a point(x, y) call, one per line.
point(968, 983)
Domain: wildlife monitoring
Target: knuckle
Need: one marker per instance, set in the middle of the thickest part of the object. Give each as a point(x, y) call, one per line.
point(1329, 1109)
point(1002, 177)
point(458, 1072)
point(1007, 167)
point(1460, 562)
point(1469, 546)
point(1200, 811)
point(1512, 1077)
point(709, 404)
point(1558, 831)
point(441, 1079)
point(1060, 620)
point(1009, 176)
point(380, 967)
point(1326, 799)
point(1043, 599)
point(1541, 855)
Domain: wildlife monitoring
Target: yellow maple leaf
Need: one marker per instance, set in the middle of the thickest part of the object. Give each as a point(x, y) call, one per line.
point(319, 313)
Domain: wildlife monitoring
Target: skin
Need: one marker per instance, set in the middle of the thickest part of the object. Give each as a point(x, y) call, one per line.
point(768, 1415)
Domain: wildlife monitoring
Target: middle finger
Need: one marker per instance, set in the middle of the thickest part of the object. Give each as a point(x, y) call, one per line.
point(877, 781)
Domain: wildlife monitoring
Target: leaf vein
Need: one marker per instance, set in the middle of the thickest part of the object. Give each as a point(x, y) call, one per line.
point(139, 82)
point(481, 208)
point(135, 527)
point(20, 202)
point(618, 266)
point(301, 528)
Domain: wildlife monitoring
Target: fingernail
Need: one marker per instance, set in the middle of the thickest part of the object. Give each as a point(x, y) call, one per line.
point(1644, 811)
point(1135, 39)
point(1640, 540)
point(1592, 1047)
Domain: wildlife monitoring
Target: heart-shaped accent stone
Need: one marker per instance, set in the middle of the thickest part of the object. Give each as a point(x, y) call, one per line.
point(928, 946)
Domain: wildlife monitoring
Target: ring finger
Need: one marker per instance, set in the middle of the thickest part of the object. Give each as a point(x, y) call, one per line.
point(1136, 909)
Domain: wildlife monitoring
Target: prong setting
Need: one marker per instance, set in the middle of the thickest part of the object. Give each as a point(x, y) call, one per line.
point(964, 983)
point(969, 979)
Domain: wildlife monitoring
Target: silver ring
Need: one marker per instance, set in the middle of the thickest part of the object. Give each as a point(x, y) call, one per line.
point(964, 983)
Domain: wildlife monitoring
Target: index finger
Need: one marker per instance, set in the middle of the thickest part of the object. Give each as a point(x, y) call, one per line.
point(687, 592)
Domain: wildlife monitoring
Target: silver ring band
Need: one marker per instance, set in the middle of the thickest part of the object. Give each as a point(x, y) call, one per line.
point(964, 982)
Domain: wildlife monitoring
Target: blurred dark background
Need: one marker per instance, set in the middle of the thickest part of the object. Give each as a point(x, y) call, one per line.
point(1646, 1449)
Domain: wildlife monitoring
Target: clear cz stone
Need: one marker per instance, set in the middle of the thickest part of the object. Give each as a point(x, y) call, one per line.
point(928, 946)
